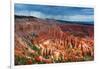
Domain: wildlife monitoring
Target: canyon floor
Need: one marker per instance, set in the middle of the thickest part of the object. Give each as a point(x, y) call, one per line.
point(45, 41)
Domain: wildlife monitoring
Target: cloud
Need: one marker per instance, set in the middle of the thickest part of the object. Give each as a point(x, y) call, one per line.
point(37, 14)
point(24, 13)
point(85, 18)
point(66, 17)
point(88, 11)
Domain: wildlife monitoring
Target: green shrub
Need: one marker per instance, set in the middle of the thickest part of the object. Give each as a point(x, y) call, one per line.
point(20, 60)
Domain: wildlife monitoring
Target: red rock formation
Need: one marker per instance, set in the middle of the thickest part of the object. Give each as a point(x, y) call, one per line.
point(57, 42)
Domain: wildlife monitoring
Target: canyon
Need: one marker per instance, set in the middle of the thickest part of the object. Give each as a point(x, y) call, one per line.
point(41, 41)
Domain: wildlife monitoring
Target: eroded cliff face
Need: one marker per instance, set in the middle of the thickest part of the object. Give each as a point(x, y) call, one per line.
point(39, 41)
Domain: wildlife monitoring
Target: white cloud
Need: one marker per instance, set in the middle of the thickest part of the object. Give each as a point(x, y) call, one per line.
point(37, 14)
point(88, 11)
point(65, 17)
point(25, 13)
point(81, 18)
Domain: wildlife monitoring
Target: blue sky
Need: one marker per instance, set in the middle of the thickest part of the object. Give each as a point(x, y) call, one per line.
point(56, 12)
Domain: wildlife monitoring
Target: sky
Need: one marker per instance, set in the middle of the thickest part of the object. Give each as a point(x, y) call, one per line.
point(65, 13)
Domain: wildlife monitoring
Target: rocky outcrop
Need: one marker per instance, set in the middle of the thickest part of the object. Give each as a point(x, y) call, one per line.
point(40, 41)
